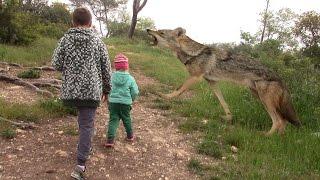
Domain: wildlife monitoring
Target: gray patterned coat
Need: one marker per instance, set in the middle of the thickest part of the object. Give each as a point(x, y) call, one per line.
point(83, 59)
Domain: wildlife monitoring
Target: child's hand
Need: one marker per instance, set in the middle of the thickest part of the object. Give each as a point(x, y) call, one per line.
point(104, 98)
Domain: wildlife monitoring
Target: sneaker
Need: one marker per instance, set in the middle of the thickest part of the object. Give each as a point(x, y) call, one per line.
point(130, 138)
point(78, 173)
point(109, 143)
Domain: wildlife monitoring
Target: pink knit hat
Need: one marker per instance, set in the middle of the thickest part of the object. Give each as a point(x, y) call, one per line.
point(121, 62)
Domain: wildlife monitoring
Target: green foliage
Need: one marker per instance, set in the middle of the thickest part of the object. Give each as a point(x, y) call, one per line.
point(29, 74)
point(17, 27)
point(51, 30)
point(195, 166)
point(22, 24)
point(57, 14)
point(307, 28)
point(44, 109)
point(210, 148)
point(55, 106)
point(8, 134)
point(70, 130)
point(36, 54)
point(120, 29)
point(270, 47)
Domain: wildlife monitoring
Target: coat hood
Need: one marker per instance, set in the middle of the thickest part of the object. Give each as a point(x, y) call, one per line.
point(120, 78)
point(79, 35)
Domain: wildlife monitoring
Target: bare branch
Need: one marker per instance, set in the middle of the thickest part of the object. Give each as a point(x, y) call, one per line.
point(20, 82)
point(21, 125)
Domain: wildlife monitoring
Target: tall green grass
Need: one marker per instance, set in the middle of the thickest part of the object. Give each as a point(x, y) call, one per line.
point(43, 109)
point(38, 53)
point(292, 156)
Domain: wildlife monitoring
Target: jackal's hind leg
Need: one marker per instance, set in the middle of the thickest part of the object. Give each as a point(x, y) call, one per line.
point(187, 84)
point(225, 106)
point(269, 95)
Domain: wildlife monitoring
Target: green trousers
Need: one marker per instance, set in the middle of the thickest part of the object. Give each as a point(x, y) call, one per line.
point(119, 111)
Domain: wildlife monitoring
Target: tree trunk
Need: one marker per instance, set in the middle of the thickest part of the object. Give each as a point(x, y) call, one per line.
point(264, 21)
point(136, 9)
point(133, 25)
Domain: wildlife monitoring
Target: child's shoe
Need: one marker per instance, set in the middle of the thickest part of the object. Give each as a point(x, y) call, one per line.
point(78, 173)
point(130, 137)
point(109, 143)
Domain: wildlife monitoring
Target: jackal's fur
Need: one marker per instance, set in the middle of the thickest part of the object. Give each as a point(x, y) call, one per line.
point(214, 64)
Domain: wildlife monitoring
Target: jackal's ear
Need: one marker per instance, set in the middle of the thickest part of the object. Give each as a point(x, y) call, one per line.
point(180, 31)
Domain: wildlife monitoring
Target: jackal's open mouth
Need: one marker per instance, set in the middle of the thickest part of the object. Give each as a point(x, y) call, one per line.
point(153, 40)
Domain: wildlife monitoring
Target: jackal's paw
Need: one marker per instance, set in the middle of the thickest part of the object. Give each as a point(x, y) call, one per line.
point(227, 118)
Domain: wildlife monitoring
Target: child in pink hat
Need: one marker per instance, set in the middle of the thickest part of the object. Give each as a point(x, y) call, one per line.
point(124, 91)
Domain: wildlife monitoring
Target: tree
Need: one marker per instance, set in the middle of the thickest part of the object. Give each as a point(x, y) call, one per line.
point(307, 28)
point(137, 7)
point(265, 17)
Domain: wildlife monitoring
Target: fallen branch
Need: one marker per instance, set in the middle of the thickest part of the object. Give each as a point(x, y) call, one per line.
point(11, 64)
point(44, 68)
point(42, 84)
point(20, 82)
point(21, 125)
point(51, 81)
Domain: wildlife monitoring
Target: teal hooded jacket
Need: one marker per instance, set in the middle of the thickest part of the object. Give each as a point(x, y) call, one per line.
point(124, 88)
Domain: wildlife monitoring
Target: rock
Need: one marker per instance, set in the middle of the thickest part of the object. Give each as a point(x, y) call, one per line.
point(20, 148)
point(12, 156)
point(223, 158)
point(1, 168)
point(131, 149)
point(62, 153)
point(60, 132)
point(144, 150)
point(94, 159)
point(20, 131)
point(234, 149)
point(205, 121)
point(101, 156)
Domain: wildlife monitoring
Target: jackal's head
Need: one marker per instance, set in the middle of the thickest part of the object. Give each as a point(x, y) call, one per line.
point(165, 37)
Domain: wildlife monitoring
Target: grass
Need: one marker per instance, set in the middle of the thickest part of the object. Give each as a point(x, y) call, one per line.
point(44, 109)
point(8, 133)
point(292, 156)
point(29, 74)
point(38, 53)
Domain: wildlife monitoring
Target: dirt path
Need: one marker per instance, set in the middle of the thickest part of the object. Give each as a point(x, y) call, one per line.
point(49, 152)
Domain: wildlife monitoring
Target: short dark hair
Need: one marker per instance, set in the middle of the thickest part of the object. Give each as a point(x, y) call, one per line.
point(81, 16)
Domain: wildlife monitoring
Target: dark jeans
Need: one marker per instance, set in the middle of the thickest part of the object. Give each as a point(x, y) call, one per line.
point(117, 112)
point(86, 129)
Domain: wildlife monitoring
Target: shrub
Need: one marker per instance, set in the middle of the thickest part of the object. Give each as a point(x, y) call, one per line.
point(17, 27)
point(8, 134)
point(30, 74)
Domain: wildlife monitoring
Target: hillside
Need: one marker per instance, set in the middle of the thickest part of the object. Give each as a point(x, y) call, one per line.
point(184, 138)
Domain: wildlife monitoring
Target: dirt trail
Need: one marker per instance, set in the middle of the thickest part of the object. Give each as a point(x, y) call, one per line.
point(48, 152)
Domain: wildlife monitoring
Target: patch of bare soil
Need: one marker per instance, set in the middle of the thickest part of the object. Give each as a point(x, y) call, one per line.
point(160, 151)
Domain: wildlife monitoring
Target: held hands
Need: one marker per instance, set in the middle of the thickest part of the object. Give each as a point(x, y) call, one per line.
point(104, 98)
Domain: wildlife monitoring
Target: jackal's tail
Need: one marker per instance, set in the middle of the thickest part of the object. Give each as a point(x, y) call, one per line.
point(286, 109)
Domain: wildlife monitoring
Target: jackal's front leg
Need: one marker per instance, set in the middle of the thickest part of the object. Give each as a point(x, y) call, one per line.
point(187, 84)
point(223, 103)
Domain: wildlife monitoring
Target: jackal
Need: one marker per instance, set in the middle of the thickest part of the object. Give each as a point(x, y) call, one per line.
point(215, 64)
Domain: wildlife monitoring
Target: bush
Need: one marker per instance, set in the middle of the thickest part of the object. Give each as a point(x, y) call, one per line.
point(51, 30)
point(17, 27)
point(30, 74)
point(8, 134)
